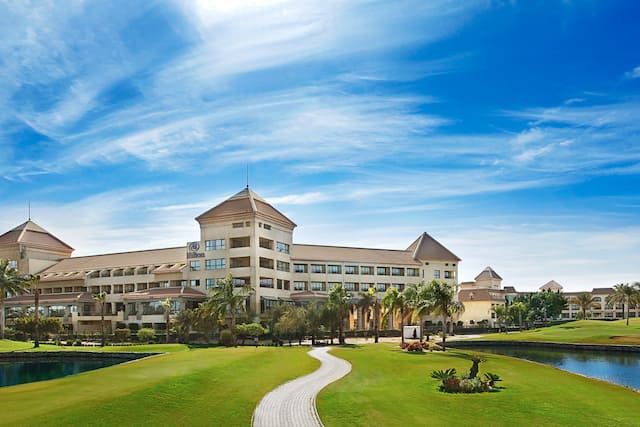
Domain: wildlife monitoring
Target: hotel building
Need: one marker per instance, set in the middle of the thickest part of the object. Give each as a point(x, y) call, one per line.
point(243, 236)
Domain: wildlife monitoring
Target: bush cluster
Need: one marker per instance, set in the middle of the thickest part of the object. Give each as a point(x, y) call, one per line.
point(418, 346)
point(468, 382)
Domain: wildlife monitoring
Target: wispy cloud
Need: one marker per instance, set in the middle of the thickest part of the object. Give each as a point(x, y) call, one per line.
point(633, 74)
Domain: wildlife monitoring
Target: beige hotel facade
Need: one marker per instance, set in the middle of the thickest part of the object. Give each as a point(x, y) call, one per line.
point(243, 236)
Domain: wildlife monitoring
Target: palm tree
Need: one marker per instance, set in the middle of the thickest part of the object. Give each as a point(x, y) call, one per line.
point(441, 301)
point(585, 300)
point(365, 303)
point(517, 309)
point(315, 320)
point(10, 282)
point(396, 304)
point(34, 280)
point(501, 313)
point(227, 297)
point(626, 294)
point(340, 302)
point(101, 298)
point(166, 304)
point(376, 313)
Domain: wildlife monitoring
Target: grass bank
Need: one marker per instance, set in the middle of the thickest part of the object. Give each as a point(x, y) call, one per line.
point(581, 331)
point(394, 388)
point(7, 345)
point(216, 386)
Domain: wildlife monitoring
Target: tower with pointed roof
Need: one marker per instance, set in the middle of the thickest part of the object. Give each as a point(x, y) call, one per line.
point(247, 237)
point(31, 248)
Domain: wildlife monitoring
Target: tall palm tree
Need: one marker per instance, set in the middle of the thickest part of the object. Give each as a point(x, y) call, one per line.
point(626, 294)
point(166, 304)
point(585, 300)
point(340, 302)
point(396, 304)
point(365, 304)
point(501, 313)
point(101, 298)
point(34, 280)
point(227, 297)
point(442, 302)
point(10, 282)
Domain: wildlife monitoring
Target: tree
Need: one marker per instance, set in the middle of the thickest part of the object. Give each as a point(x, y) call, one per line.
point(185, 321)
point(441, 301)
point(340, 302)
point(501, 313)
point(228, 297)
point(315, 320)
point(247, 330)
point(396, 305)
point(365, 303)
point(516, 311)
point(585, 301)
point(10, 282)
point(166, 304)
point(624, 293)
point(293, 323)
point(34, 280)
point(101, 298)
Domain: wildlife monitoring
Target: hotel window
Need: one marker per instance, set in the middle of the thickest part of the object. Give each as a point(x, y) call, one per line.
point(215, 264)
point(333, 285)
point(13, 264)
point(266, 263)
point(214, 245)
point(448, 274)
point(239, 281)
point(240, 242)
point(266, 282)
point(194, 265)
point(282, 247)
point(398, 286)
point(350, 286)
point(266, 226)
point(436, 274)
point(334, 269)
point(412, 272)
point(366, 269)
point(382, 271)
point(350, 269)
point(381, 287)
point(317, 268)
point(284, 266)
point(300, 268)
point(283, 284)
point(237, 225)
point(397, 271)
point(266, 243)
point(317, 286)
point(364, 287)
point(183, 283)
point(194, 283)
point(299, 286)
point(211, 283)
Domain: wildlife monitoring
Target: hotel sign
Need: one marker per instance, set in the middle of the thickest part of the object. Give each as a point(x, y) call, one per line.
point(193, 249)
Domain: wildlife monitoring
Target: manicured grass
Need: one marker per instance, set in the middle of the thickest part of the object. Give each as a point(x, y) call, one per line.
point(393, 388)
point(216, 386)
point(581, 331)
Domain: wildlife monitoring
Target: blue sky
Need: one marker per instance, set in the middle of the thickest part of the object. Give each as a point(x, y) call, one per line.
point(507, 130)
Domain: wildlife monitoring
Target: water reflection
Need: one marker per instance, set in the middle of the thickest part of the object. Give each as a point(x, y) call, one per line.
point(617, 368)
point(12, 372)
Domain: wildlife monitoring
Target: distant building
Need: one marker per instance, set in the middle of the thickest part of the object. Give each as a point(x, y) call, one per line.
point(243, 236)
point(482, 295)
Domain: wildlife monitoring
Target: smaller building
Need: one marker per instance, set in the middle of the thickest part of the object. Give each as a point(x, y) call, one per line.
point(482, 295)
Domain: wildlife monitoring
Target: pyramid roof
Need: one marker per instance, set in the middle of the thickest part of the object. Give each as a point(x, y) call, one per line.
point(31, 235)
point(488, 274)
point(426, 247)
point(246, 202)
point(551, 284)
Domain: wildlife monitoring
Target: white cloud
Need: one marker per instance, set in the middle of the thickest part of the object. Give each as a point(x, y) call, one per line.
point(633, 74)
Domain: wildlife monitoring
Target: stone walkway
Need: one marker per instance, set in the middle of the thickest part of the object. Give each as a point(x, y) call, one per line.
point(294, 403)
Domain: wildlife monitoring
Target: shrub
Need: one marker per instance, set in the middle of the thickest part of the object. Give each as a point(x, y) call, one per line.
point(77, 343)
point(122, 334)
point(226, 338)
point(442, 375)
point(415, 346)
point(492, 379)
point(146, 335)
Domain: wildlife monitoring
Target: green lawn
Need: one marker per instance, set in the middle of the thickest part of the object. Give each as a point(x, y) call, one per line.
point(216, 386)
point(581, 331)
point(7, 345)
point(389, 387)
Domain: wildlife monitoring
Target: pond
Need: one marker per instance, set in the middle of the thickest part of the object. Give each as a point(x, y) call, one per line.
point(14, 372)
point(614, 367)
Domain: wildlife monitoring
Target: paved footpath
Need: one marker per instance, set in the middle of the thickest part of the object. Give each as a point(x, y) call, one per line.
point(294, 403)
